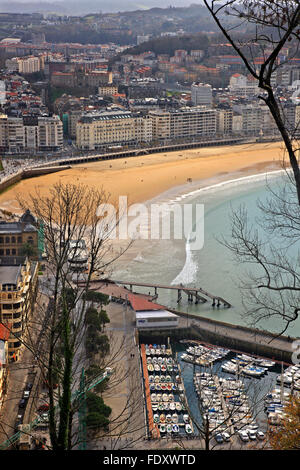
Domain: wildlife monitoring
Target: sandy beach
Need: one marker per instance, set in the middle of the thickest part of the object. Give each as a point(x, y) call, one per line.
point(141, 178)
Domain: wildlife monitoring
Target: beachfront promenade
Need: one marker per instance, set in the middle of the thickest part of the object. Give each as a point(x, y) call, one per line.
point(135, 152)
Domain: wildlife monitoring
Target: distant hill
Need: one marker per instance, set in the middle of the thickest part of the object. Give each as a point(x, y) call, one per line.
point(168, 45)
point(77, 7)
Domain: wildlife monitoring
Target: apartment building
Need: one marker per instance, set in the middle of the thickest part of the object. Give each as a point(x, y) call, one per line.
point(29, 65)
point(25, 65)
point(73, 117)
point(94, 130)
point(257, 119)
point(107, 90)
point(161, 124)
point(291, 117)
point(224, 121)
point(18, 281)
point(240, 85)
point(30, 133)
point(50, 131)
point(184, 123)
point(201, 94)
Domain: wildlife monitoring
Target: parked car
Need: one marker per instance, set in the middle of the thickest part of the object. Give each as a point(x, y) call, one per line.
point(29, 386)
point(26, 394)
point(219, 439)
point(244, 436)
point(45, 417)
point(252, 434)
point(22, 403)
point(44, 407)
point(226, 436)
point(18, 421)
point(260, 435)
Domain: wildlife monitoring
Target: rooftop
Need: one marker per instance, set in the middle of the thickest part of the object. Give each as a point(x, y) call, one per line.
point(155, 314)
point(140, 304)
point(9, 274)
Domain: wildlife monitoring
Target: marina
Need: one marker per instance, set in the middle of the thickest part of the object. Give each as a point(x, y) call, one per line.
point(247, 365)
point(204, 356)
point(238, 407)
point(164, 392)
point(184, 387)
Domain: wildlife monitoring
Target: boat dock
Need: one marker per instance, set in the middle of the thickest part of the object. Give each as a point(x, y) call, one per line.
point(167, 408)
point(196, 294)
point(153, 428)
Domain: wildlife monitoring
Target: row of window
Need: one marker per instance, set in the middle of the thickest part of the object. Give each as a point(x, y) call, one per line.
point(8, 252)
point(11, 239)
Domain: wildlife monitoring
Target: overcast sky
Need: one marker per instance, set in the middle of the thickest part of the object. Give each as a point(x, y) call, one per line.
point(107, 5)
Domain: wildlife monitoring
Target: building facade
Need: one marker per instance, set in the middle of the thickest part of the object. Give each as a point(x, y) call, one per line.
point(16, 236)
point(184, 123)
point(30, 133)
point(18, 281)
point(201, 94)
point(94, 130)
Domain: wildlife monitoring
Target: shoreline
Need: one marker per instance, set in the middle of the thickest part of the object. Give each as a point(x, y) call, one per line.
point(176, 195)
point(144, 178)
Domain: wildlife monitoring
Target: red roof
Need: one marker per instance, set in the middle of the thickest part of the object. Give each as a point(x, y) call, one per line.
point(4, 332)
point(138, 303)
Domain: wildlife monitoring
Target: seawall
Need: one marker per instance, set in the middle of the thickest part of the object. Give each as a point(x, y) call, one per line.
point(240, 338)
point(29, 173)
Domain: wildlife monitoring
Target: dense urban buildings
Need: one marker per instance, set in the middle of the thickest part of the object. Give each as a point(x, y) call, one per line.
point(18, 277)
point(30, 133)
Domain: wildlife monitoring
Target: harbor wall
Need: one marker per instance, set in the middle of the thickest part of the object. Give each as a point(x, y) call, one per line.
point(241, 344)
point(235, 337)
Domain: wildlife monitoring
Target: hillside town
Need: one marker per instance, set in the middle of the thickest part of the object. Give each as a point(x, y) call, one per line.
point(139, 84)
point(66, 97)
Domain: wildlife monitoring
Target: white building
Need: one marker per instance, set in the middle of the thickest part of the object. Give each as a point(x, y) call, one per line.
point(151, 315)
point(201, 94)
point(30, 133)
point(240, 85)
point(156, 319)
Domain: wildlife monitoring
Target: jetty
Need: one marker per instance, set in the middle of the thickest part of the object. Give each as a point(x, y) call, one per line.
point(196, 294)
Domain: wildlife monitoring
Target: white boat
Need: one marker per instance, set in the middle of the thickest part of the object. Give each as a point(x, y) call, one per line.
point(186, 418)
point(175, 428)
point(188, 429)
point(162, 428)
